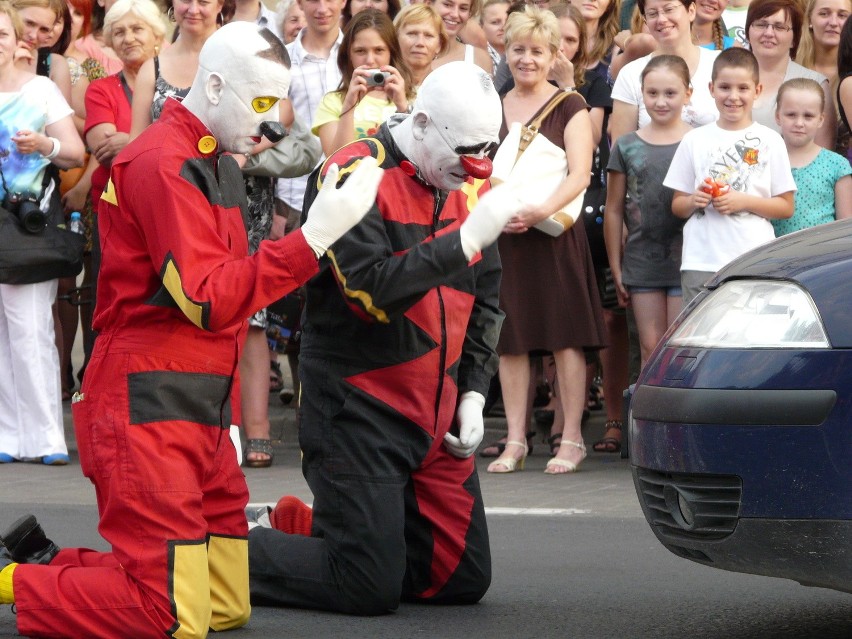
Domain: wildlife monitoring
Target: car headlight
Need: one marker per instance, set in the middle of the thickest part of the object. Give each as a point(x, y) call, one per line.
point(753, 314)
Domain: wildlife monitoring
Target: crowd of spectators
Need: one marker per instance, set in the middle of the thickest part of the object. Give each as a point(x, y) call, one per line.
point(84, 75)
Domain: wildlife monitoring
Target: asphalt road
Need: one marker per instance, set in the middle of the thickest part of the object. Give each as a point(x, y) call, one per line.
point(572, 557)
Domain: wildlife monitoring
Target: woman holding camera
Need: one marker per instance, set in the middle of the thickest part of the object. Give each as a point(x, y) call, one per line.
point(375, 85)
point(36, 128)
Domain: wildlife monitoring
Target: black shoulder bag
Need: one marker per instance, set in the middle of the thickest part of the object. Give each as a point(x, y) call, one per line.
point(33, 246)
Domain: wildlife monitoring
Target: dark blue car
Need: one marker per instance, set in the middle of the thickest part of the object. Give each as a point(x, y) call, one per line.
point(740, 426)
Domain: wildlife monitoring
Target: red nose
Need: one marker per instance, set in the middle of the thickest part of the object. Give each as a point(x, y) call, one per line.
point(479, 168)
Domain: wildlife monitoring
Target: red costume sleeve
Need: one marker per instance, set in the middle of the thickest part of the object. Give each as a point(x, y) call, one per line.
point(196, 240)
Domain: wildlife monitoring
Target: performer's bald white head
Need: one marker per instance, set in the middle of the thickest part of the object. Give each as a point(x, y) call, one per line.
point(454, 123)
point(242, 73)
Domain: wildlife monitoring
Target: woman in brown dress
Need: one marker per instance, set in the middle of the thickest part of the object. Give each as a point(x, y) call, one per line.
point(548, 291)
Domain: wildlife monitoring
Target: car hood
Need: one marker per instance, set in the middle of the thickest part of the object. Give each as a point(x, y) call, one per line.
point(819, 259)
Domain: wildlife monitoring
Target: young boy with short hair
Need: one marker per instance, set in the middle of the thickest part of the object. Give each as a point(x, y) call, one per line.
point(730, 177)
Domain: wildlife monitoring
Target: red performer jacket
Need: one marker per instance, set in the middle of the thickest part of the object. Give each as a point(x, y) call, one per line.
point(175, 255)
point(397, 299)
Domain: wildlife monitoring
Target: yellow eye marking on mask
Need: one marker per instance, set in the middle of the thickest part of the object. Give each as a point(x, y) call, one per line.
point(263, 103)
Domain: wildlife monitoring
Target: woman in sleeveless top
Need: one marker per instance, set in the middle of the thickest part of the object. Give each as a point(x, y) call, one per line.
point(171, 73)
point(455, 14)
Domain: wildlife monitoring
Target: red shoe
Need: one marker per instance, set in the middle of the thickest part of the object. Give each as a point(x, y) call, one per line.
point(292, 515)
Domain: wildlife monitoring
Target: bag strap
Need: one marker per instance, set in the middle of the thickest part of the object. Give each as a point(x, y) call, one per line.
point(601, 157)
point(530, 129)
point(125, 87)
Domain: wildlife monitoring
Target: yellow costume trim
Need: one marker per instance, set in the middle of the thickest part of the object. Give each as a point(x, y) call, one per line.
point(109, 193)
point(173, 284)
point(363, 297)
point(190, 589)
point(227, 558)
point(380, 158)
point(7, 590)
point(472, 192)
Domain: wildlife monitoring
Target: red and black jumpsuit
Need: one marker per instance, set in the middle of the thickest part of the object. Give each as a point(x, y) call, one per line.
point(398, 325)
point(152, 420)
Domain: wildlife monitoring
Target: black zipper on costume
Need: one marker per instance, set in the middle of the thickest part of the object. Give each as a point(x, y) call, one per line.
point(443, 316)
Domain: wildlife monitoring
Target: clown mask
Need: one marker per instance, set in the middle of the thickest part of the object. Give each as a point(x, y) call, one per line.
point(455, 121)
point(244, 74)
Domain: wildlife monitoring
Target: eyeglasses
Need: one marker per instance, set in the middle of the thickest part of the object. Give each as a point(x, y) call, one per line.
point(763, 25)
point(669, 10)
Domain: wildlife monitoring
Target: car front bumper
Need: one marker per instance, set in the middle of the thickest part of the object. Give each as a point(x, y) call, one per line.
point(814, 552)
point(743, 459)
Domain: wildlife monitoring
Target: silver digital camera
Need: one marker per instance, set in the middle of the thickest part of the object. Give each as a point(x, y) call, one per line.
point(377, 78)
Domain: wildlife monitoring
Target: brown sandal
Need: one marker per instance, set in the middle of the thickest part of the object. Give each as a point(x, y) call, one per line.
point(609, 444)
point(259, 447)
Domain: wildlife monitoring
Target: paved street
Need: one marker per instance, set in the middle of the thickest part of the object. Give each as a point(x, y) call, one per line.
point(572, 557)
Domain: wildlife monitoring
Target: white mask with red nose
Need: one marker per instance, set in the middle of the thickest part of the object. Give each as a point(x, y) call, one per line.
point(453, 126)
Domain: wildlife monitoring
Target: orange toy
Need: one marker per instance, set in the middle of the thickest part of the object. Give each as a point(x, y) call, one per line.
point(714, 188)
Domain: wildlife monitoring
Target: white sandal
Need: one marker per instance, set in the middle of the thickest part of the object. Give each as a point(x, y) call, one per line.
point(511, 464)
point(564, 463)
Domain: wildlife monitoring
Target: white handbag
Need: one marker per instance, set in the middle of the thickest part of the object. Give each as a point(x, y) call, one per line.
point(535, 167)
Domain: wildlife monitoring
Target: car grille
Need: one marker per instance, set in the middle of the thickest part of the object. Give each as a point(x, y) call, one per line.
point(688, 506)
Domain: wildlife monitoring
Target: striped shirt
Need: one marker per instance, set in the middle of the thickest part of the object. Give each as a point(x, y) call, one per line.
point(311, 77)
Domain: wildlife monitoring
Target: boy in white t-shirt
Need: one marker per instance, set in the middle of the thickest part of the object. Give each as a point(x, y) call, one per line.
point(730, 177)
point(734, 17)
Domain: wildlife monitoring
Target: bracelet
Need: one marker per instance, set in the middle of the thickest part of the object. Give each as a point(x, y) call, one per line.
point(55, 151)
point(569, 89)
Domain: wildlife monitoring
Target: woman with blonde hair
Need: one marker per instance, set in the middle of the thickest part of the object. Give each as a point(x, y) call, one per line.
point(422, 38)
point(824, 20)
point(567, 320)
point(38, 18)
point(38, 131)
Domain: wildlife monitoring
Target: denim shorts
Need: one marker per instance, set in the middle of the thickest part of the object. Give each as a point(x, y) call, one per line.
point(670, 291)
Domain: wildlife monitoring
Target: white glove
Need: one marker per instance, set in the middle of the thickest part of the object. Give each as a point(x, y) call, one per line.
point(335, 211)
point(471, 426)
point(487, 219)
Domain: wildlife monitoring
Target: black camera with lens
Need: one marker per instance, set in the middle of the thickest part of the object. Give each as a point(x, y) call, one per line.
point(25, 207)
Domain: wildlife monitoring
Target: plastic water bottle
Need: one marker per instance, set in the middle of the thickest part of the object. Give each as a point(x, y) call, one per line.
point(76, 224)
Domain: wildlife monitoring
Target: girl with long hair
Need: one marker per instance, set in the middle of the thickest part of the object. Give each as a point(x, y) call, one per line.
point(375, 83)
